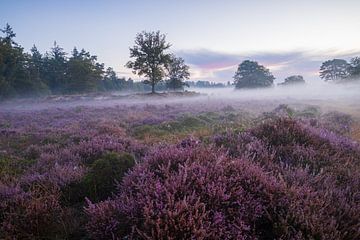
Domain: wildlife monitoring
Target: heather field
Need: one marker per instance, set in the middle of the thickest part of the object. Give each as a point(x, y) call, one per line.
point(184, 168)
point(177, 120)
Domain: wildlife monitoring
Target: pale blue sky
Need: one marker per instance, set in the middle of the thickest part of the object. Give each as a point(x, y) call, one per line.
point(290, 37)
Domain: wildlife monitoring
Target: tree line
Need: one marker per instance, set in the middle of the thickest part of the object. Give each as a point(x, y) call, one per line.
point(151, 60)
point(57, 72)
point(251, 74)
point(29, 74)
point(340, 70)
point(206, 84)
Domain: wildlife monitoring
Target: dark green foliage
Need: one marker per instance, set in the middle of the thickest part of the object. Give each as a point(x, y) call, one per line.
point(112, 82)
point(354, 68)
point(83, 72)
point(295, 79)
point(54, 69)
point(78, 74)
point(252, 75)
point(105, 172)
point(340, 70)
point(178, 72)
point(15, 78)
point(34, 74)
point(333, 70)
point(100, 181)
point(36, 71)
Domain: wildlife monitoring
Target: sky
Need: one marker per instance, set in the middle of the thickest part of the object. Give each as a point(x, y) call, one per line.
point(213, 36)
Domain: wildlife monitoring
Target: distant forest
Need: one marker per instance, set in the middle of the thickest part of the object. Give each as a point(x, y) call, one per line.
point(25, 74)
point(31, 74)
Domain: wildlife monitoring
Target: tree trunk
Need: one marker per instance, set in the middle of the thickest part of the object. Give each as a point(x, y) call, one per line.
point(153, 87)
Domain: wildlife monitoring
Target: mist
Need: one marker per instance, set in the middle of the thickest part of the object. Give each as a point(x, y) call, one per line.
point(316, 90)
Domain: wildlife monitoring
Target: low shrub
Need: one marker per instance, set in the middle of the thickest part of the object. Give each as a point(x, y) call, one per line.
point(100, 180)
point(34, 214)
point(309, 112)
point(337, 122)
point(190, 191)
point(320, 169)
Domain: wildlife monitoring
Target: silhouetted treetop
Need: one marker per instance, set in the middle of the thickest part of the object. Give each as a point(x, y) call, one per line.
point(333, 70)
point(9, 34)
point(294, 79)
point(354, 68)
point(178, 72)
point(150, 57)
point(252, 75)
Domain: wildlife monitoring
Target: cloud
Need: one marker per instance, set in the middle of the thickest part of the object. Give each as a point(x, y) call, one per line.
point(206, 59)
point(220, 67)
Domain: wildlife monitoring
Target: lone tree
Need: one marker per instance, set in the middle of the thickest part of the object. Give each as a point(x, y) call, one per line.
point(295, 79)
point(252, 75)
point(333, 70)
point(150, 57)
point(178, 72)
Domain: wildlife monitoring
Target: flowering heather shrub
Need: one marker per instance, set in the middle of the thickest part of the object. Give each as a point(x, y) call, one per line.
point(43, 153)
point(34, 214)
point(321, 171)
point(337, 122)
point(190, 191)
point(281, 179)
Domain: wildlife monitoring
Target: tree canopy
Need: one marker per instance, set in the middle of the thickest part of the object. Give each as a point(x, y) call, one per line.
point(56, 72)
point(334, 70)
point(354, 68)
point(294, 79)
point(84, 72)
point(150, 57)
point(339, 70)
point(252, 75)
point(178, 72)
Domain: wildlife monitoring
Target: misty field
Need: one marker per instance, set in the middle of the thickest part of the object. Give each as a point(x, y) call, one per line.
point(199, 168)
